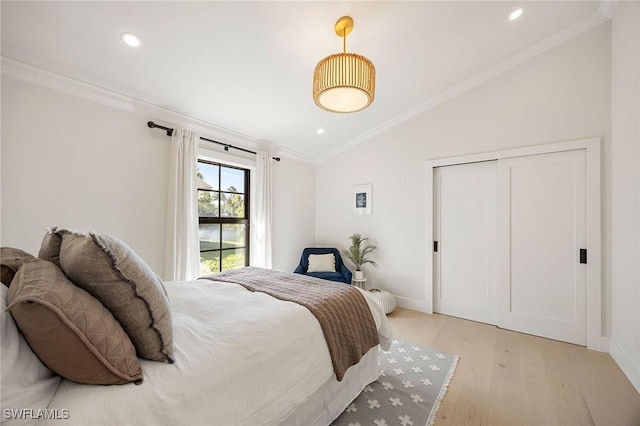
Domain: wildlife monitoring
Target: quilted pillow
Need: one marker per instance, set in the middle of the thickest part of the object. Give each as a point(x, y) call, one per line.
point(10, 261)
point(26, 381)
point(70, 331)
point(114, 274)
point(322, 263)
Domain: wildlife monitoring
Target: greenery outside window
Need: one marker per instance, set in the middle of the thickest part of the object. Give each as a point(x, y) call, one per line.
point(223, 210)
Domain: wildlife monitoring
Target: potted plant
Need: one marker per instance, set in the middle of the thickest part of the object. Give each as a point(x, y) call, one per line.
point(357, 254)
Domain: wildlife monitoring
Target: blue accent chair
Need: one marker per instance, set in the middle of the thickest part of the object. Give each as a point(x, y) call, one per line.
point(342, 274)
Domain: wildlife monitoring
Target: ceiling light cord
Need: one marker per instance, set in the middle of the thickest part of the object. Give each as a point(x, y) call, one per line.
point(344, 41)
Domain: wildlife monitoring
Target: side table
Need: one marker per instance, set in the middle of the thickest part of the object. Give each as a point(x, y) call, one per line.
point(360, 283)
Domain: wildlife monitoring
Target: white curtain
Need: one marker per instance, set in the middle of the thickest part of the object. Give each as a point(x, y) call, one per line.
point(182, 252)
point(261, 222)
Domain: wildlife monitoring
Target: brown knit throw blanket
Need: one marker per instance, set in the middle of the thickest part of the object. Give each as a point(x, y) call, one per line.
point(341, 310)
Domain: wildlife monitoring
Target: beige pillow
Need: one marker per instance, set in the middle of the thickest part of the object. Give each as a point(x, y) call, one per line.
point(115, 275)
point(322, 263)
point(50, 248)
point(70, 331)
point(10, 261)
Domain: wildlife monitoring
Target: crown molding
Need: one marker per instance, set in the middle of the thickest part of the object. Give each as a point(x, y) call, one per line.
point(58, 82)
point(550, 42)
point(607, 8)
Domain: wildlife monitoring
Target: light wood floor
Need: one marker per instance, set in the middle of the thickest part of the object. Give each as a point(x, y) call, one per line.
point(509, 378)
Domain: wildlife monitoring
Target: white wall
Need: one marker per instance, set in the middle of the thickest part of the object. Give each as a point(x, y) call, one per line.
point(77, 164)
point(625, 185)
point(560, 95)
point(293, 214)
point(71, 162)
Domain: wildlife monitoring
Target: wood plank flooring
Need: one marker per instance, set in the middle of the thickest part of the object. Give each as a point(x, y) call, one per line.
point(508, 378)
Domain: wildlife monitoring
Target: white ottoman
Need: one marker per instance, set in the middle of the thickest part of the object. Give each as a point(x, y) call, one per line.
point(385, 299)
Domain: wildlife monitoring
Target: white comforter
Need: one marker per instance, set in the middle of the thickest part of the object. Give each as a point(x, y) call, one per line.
point(242, 358)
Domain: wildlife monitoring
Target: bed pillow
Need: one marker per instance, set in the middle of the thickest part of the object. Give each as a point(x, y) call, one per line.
point(10, 261)
point(70, 331)
point(322, 263)
point(26, 381)
point(114, 274)
point(50, 247)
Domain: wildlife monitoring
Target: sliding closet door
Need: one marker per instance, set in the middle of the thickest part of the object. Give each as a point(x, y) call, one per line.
point(464, 228)
point(541, 229)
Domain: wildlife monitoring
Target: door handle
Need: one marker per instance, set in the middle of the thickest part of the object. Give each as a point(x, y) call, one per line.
point(583, 256)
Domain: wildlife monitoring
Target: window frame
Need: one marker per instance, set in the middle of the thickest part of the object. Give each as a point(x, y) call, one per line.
point(222, 220)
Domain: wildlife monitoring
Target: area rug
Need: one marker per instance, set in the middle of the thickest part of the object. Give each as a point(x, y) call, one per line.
point(413, 380)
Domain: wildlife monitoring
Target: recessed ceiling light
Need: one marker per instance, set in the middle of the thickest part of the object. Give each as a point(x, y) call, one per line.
point(320, 131)
point(130, 39)
point(515, 14)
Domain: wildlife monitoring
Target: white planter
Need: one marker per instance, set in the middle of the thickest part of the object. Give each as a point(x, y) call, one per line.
point(358, 275)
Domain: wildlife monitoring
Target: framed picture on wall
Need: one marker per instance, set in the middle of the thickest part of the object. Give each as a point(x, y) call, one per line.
point(361, 199)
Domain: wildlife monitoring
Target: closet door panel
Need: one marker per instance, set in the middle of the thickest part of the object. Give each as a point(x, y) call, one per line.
point(464, 226)
point(541, 229)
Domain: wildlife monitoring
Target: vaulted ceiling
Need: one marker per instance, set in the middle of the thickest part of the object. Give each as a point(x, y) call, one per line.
point(248, 66)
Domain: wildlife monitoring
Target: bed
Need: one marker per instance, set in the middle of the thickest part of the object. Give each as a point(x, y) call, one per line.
point(241, 358)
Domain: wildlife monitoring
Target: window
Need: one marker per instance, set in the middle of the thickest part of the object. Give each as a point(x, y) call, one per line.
point(223, 210)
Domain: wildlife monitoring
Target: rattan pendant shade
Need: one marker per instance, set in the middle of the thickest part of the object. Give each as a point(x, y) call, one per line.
point(344, 82)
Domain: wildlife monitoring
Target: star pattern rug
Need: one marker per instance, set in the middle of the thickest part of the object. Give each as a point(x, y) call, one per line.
point(413, 380)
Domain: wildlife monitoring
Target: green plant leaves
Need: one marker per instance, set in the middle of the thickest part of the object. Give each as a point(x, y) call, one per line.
point(357, 253)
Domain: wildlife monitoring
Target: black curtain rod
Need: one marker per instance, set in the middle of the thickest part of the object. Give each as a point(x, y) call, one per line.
point(226, 146)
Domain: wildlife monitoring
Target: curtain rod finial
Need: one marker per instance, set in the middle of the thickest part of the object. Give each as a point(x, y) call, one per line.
point(153, 125)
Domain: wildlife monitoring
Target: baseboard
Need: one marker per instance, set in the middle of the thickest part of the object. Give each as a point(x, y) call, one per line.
point(415, 304)
point(626, 364)
point(598, 343)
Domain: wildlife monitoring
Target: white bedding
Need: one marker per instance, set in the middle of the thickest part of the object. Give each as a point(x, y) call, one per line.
point(242, 358)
